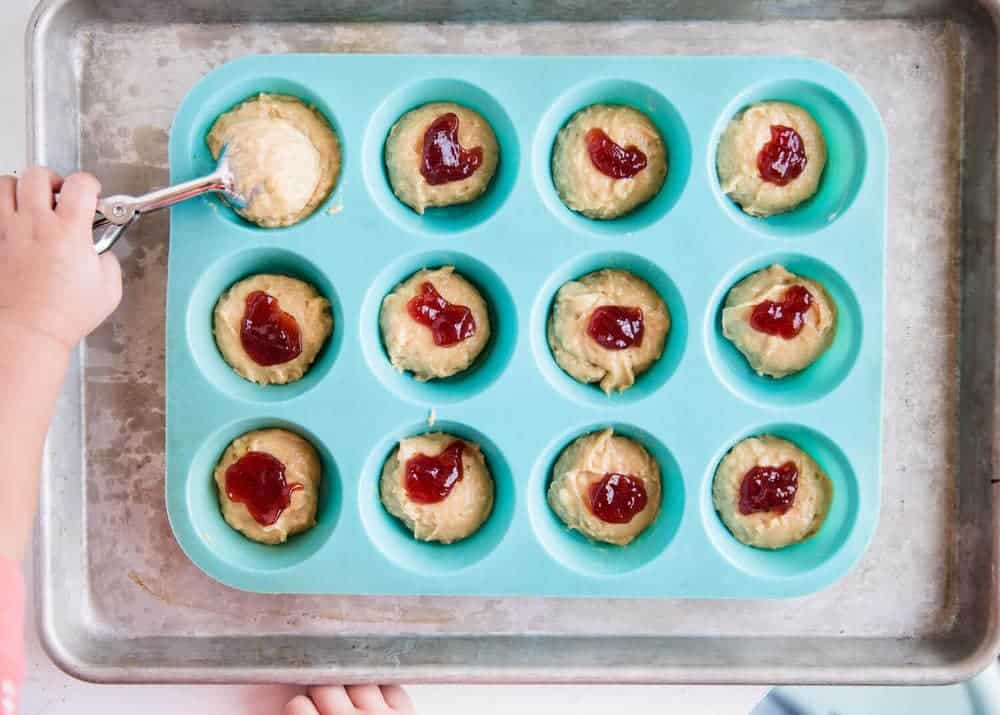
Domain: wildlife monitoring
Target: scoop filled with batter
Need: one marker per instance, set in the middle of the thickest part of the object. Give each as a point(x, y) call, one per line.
point(284, 156)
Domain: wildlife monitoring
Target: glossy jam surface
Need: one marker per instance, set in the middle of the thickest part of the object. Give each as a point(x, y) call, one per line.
point(269, 335)
point(444, 159)
point(257, 480)
point(612, 159)
point(784, 319)
point(782, 159)
point(616, 327)
point(770, 489)
point(617, 498)
point(430, 479)
point(449, 323)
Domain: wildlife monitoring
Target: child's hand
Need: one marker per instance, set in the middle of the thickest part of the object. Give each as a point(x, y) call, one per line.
point(352, 700)
point(52, 283)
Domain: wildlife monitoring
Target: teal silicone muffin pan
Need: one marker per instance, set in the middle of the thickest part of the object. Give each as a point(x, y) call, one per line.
point(518, 243)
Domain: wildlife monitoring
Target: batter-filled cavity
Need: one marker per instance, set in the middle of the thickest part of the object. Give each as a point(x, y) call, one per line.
point(440, 154)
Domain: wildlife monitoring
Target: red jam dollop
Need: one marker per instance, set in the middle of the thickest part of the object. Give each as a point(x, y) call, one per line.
point(444, 159)
point(257, 480)
point(269, 335)
point(782, 159)
point(612, 159)
point(786, 318)
point(616, 327)
point(617, 498)
point(449, 323)
point(769, 489)
point(431, 479)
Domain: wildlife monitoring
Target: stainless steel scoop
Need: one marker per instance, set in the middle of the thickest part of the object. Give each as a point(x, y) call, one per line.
point(116, 213)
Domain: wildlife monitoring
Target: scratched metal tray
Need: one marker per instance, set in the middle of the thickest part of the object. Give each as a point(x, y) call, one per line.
point(120, 602)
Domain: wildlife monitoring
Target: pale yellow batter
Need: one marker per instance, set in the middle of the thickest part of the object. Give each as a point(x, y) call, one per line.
point(767, 529)
point(774, 355)
point(410, 344)
point(458, 515)
point(740, 145)
point(310, 310)
point(302, 466)
point(580, 355)
point(585, 462)
point(285, 157)
point(582, 186)
point(404, 155)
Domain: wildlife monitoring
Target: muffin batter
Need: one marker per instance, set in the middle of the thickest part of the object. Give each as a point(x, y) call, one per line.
point(439, 486)
point(607, 487)
point(770, 493)
point(781, 322)
point(608, 160)
point(268, 483)
point(434, 324)
point(771, 158)
point(607, 327)
point(440, 154)
point(270, 328)
point(285, 157)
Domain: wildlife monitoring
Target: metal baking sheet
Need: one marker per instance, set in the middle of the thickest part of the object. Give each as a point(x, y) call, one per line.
point(120, 602)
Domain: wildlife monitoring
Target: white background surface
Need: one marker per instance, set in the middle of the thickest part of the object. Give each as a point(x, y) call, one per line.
point(48, 691)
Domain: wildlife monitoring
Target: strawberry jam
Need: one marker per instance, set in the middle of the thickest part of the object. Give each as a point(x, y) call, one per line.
point(449, 323)
point(257, 480)
point(612, 159)
point(617, 498)
point(444, 159)
point(786, 318)
point(782, 159)
point(616, 327)
point(769, 489)
point(269, 335)
point(429, 479)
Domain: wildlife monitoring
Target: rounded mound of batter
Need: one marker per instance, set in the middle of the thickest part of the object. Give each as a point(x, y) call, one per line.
point(404, 151)
point(458, 515)
point(741, 142)
point(769, 529)
point(579, 354)
point(774, 355)
point(585, 188)
point(410, 344)
point(284, 155)
point(310, 310)
point(302, 466)
point(584, 463)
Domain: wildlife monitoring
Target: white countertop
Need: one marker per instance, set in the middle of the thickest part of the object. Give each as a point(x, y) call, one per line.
point(50, 691)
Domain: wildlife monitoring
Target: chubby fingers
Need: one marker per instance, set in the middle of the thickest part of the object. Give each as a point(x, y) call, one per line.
point(35, 188)
point(332, 700)
point(78, 197)
point(8, 196)
point(300, 705)
point(396, 698)
point(366, 697)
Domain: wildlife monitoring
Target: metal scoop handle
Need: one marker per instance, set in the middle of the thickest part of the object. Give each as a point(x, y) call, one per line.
point(116, 213)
